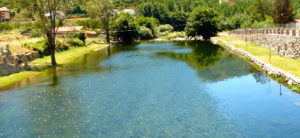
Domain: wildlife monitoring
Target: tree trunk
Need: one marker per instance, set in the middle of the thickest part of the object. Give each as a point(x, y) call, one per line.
point(52, 36)
point(107, 37)
point(51, 45)
point(52, 51)
point(107, 32)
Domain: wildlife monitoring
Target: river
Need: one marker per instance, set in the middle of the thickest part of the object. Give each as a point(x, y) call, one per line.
point(167, 89)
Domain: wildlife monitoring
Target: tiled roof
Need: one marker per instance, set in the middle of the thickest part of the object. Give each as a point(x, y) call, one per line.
point(70, 29)
point(4, 9)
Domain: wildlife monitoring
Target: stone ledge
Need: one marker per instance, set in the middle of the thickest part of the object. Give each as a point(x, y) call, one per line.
point(265, 67)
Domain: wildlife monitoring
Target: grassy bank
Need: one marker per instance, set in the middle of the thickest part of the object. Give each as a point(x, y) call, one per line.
point(41, 64)
point(288, 65)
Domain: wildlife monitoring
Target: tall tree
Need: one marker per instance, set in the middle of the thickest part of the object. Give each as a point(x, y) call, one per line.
point(102, 10)
point(56, 9)
point(283, 12)
point(202, 22)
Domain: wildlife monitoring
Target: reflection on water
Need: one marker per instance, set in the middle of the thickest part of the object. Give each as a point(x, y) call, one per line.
point(211, 62)
point(184, 89)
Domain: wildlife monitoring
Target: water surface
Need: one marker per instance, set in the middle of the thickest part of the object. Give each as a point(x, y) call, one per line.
point(180, 89)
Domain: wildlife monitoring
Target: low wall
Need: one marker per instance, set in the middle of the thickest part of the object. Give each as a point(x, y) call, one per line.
point(265, 67)
point(10, 64)
point(286, 42)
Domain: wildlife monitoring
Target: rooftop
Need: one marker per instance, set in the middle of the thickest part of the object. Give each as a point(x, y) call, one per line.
point(70, 29)
point(4, 9)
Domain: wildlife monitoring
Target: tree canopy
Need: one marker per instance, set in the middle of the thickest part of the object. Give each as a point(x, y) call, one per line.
point(202, 22)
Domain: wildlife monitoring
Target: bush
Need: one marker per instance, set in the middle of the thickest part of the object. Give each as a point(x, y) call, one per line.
point(148, 22)
point(165, 28)
point(61, 45)
point(175, 35)
point(145, 33)
point(81, 36)
point(39, 46)
point(6, 26)
point(75, 42)
point(32, 29)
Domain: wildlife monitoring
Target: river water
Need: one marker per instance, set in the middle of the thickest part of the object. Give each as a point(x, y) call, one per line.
point(170, 89)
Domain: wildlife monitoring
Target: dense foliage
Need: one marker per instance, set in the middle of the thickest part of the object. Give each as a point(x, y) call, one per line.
point(202, 22)
point(152, 13)
point(125, 28)
point(283, 12)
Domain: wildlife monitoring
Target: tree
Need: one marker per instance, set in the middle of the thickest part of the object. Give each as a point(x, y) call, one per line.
point(125, 28)
point(260, 9)
point(178, 20)
point(102, 10)
point(283, 12)
point(202, 22)
point(49, 24)
point(156, 10)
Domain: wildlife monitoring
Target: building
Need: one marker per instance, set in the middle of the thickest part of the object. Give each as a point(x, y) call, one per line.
point(226, 1)
point(4, 14)
point(58, 15)
point(130, 11)
point(68, 31)
point(295, 24)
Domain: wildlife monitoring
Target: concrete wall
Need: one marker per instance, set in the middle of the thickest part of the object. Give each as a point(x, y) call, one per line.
point(10, 64)
point(286, 42)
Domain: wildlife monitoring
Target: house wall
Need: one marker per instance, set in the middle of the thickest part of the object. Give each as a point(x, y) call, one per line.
point(4, 16)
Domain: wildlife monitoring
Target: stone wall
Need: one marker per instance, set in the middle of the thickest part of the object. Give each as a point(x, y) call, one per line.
point(14, 63)
point(265, 67)
point(286, 42)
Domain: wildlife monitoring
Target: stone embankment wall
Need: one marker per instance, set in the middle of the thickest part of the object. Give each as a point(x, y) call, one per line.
point(14, 63)
point(265, 67)
point(286, 42)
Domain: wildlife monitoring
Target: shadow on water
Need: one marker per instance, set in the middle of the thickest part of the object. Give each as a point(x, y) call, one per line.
point(212, 62)
point(88, 63)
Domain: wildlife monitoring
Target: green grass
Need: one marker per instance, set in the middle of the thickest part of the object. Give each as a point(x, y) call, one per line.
point(285, 64)
point(7, 80)
point(45, 62)
point(64, 57)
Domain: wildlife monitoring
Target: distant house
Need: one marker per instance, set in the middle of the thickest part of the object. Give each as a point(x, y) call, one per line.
point(226, 1)
point(4, 14)
point(295, 24)
point(68, 31)
point(130, 11)
point(59, 15)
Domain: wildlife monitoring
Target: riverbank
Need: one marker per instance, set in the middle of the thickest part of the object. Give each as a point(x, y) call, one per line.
point(284, 70)
point(41, 64)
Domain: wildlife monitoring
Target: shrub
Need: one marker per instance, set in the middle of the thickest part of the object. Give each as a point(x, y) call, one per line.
point(81, 36)
point(75, 42)
point(40, 46)
point(61, 45)
point(165, 28)
point(174, 35)
point(148, 22)
point(6, 26)
point(145, 33)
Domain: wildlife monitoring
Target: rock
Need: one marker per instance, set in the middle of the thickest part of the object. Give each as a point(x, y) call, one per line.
point(290, 82)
